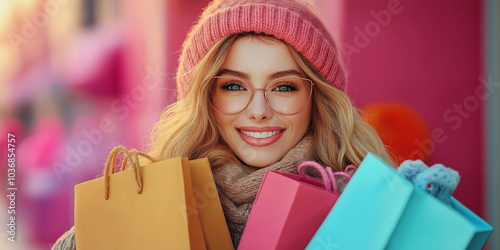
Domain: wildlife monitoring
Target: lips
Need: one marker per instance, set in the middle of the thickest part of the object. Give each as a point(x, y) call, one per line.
point(260, 136)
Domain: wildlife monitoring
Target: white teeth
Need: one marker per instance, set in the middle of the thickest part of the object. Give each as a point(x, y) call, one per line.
point(260, 135)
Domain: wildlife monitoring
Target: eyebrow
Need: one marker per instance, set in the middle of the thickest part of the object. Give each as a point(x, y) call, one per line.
point(285, 73)
point(233, 73)
point(245, 76)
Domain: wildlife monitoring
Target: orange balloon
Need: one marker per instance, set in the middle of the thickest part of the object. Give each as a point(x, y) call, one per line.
point(400, 127)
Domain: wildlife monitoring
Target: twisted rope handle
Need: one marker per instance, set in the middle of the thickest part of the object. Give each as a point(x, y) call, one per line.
point(324, 174)
point(345, 174)
point(137, 153)
point(133, 157)
point(327, 174)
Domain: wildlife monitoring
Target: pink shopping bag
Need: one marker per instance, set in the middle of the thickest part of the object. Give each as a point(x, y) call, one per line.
point(290, 208)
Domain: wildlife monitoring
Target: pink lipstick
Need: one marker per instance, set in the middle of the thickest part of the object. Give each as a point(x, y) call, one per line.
point(260, 136)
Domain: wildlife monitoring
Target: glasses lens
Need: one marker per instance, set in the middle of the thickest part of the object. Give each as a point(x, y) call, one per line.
point(286, 96)
point(289, 95)
point(230, 95)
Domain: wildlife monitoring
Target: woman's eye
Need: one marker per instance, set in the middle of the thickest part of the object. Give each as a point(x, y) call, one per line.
point(285, 87)
point(232, 86)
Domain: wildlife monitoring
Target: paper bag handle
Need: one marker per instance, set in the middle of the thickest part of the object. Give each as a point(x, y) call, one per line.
point(437, 180)
point(326, 173)
point(345, 174)
point(133, 157)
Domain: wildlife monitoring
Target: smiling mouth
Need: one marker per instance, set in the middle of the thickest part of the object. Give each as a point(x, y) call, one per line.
point(260, 135)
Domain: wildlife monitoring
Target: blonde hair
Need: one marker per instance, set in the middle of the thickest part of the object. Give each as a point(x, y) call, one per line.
point(188, 127)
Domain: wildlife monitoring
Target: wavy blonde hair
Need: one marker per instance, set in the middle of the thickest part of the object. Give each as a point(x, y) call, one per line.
point(188, 127)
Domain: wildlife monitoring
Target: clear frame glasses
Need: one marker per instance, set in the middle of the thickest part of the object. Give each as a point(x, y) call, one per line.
point(285, 96)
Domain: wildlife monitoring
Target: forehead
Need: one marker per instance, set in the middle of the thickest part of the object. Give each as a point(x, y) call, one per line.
point(259, 56)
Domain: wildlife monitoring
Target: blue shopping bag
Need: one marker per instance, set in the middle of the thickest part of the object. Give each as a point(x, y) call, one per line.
point(381, 209)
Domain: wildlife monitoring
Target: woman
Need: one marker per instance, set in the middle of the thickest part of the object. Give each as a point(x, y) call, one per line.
point(260, 87)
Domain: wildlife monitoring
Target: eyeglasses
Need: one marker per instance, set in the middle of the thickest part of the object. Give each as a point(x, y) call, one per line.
point(285, 96)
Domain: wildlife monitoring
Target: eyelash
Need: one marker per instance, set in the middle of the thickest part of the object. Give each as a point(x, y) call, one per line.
point(287, 84)
point(225, 85)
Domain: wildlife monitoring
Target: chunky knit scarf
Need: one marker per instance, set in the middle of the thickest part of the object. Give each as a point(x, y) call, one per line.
point(237, 187)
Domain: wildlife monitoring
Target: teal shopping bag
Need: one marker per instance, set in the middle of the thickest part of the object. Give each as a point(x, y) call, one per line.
point(380, 209)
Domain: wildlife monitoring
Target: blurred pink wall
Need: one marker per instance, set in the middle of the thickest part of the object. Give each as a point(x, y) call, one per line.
point(181, 16)
point(154, 35)
point(426, 54)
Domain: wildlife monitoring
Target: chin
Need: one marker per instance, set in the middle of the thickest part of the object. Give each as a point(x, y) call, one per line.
point(257, 164)
point(259, 160)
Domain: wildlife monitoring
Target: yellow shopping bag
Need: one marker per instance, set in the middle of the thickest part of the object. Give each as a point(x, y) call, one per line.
point(147, 207)
point(209, 207)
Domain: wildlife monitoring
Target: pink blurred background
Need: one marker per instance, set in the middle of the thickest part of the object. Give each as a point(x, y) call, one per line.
point(80, 77)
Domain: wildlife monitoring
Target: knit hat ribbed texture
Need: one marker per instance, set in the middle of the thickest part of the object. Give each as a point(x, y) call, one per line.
point(295, 22)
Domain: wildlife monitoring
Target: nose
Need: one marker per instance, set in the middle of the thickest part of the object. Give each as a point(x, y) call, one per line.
point(257, 109)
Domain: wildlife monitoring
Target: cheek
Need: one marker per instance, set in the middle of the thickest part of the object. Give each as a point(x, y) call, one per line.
point(224, 125)
point(301, 121)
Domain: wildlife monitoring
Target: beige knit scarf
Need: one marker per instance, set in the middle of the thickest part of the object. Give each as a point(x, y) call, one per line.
point(237, 188)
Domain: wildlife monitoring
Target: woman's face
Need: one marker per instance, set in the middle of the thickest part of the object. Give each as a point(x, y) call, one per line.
point(258, 62)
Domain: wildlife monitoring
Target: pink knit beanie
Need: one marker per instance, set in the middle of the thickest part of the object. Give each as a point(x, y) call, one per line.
point(295, 22)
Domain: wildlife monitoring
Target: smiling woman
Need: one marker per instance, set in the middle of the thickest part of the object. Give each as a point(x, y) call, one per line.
point(261, 96)
point(261, 87)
